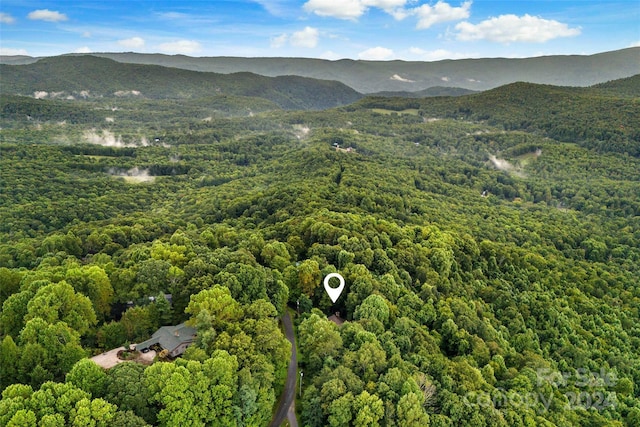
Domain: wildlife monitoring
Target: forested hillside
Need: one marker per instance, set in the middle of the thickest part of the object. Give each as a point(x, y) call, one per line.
point(599, 117)
point(622, 87)
point(490, 245)
point(82, 77)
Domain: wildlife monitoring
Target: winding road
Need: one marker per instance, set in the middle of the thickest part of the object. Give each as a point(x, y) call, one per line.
point(286, 409)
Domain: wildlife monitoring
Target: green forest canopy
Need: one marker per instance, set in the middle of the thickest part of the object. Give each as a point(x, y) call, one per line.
point(489, 242)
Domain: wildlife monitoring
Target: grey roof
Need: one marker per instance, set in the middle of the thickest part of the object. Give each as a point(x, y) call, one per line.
point(170, 337)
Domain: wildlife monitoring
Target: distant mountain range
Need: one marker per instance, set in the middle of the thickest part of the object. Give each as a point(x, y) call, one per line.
point(400, 76)
point(426, 93)
point(97, 77)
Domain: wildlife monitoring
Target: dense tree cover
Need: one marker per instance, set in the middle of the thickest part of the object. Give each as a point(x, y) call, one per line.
point(88, 76)
point(622, 87)
point(597, 117)
point(476, 260)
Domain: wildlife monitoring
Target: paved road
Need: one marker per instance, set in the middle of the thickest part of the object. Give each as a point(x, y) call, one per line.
point(289, 392)
point(291, 415)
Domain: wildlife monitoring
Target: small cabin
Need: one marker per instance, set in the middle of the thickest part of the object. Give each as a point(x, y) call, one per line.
point(335, 318)
point(174, 339)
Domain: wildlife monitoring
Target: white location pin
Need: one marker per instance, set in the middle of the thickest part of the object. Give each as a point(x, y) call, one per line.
point(334, 293)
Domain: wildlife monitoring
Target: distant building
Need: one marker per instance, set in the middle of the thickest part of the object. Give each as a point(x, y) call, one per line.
point(174, 339)
point(335, 318)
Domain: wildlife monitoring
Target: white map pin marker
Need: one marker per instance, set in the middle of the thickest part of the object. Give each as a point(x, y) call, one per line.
point(334, 293)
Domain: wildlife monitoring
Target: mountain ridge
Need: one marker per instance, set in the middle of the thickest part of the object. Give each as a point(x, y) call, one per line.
point(92, 76)
point(596, 117)
point(410, 76)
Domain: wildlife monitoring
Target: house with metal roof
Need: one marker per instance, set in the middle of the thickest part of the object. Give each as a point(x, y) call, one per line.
point(174, 339)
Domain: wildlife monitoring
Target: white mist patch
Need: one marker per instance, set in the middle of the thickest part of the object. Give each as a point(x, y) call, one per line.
point(207, 119)
point(61, 140)
point(133, 175)
point(40, 94)
point(127, 93)
point(444, 79)
point(399, 78)
point(301, 131)
point(501, 164)
point(504, 165)
point(109, 119)
point(105, 138)
point(108, 139)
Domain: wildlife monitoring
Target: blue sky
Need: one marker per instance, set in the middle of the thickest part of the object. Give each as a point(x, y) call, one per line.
point(358, 29)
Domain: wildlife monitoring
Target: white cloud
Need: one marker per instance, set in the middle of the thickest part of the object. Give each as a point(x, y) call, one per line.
point(305, 38)
point(132, 43)
point(47, 15)
point(388, 6)
point(635, 44)
point(400, 13)
point(512, 28)
point(346, 9)
point(385, 4)
point(308, 37)
point(11, 52)
point(279, 41)
point(275, 7)
point(184, 47)
point(440, 12)
point(376, 54)
point(186, 19)
point(86, 34)
point(353, 9)
point(427, 15)
point(172, 15)
point(83, 49)
point(5, 18)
